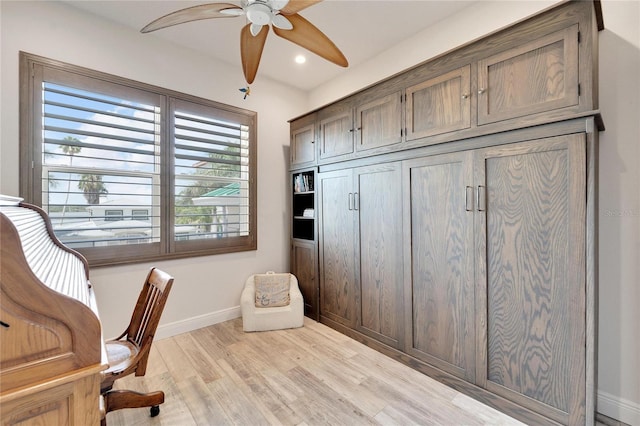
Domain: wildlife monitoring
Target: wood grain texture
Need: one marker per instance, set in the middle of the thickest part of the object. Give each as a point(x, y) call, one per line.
point(538, 76)
point(535, 284)
point(306, 376)
point(337, 247)
point(439, 105)
point(304, 266)
point(379, 122)
point(380, 250)
point(336, 134)
point(440, 288)
point(303, 146)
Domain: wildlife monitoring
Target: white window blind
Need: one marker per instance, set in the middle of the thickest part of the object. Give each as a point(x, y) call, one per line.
point(100, 157)
point(211, 177)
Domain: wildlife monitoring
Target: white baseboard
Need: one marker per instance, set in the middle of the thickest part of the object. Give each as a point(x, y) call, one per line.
point(194, 323)
point(619, 408)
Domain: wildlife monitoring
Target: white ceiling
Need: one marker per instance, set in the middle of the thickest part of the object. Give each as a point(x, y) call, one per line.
point(362, 29)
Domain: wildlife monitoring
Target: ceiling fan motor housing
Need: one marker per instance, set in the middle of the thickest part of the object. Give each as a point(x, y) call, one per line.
point(258, 13)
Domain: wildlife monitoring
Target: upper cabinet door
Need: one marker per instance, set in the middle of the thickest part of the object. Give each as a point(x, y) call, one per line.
point(303, 151)
point(439, 105)
point(336, 134)
point(379, 122)
point(541, 75)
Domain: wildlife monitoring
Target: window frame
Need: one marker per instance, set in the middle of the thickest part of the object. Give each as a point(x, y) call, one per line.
point(169, 247)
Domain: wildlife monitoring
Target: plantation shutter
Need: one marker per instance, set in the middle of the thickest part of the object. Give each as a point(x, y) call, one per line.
point(212, 197)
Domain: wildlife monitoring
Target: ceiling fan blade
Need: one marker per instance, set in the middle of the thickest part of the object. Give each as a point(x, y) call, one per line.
point(306, 35)
point(295, 6)
point(195, 13)
point(251, 50)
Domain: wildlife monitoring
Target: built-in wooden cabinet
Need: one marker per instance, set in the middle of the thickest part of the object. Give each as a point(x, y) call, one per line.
point(439, 105)
point(456, 216)
point(379, 122)
point(302, 144)
point(361, 250)
point(378, 212)
point(439, 261)
point(359, 125)
point(304, 247)
point(304, 265)
point(495, 273)
point(538, 76)
point(338, 291)
point(336, 132)
point(531, 285)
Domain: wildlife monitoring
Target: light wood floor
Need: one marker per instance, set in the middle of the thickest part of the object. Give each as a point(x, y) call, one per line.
point(313, 375)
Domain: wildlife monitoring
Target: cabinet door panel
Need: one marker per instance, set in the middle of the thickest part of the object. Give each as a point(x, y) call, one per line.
point(337, 257)
point(439, 290)
point(336, 135)
point(304, 267)
point(379, 209)
point(439, 105)
point(379, 122)
point(539, 76)
point(535, 279)
point(303, 146)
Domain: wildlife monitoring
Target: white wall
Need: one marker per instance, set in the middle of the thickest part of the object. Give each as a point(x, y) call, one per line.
point(207, 289)
point(619, 198)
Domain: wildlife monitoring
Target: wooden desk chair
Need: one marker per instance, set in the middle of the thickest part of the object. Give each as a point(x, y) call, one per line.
point(129, 352)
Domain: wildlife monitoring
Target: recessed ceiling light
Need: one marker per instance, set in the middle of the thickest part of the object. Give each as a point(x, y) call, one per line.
point(300, 59)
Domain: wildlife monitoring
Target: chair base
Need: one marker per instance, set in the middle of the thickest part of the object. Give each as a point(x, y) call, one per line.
point(119, 399)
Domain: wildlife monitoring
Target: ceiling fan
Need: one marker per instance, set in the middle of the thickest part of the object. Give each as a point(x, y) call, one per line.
point(281, 14)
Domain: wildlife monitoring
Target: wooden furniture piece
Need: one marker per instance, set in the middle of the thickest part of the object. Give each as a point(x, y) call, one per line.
point(466, 247)
point(51, 347)
point(304, 252)
point(129, 352)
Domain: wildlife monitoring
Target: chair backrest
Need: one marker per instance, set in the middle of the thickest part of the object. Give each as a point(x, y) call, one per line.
point(147, 312)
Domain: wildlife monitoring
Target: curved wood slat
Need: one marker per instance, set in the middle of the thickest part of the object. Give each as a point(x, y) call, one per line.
point(189, 14)
point(306, 35)
point(251, 50)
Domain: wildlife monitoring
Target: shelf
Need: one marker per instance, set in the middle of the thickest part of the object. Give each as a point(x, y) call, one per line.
point(304, 218)
point(304, 193)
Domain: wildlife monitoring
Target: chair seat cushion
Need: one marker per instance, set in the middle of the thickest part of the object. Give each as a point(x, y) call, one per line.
point(272, 290)
point(120, 353)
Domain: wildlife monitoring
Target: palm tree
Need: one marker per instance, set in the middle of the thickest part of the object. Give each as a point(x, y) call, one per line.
point(69, 150)
point(93, 187)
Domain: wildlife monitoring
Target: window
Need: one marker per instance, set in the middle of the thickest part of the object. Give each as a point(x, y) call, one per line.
point(130, 172)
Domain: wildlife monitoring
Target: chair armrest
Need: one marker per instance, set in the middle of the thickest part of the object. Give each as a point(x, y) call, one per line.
point(248, 296)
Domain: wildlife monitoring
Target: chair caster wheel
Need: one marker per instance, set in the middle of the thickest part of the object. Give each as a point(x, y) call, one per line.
point(155, 410)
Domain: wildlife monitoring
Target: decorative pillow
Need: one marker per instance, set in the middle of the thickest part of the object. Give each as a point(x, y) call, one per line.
point(272, 290)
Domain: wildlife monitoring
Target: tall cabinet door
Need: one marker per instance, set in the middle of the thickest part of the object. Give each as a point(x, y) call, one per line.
point(337, 247)
point(531, 269)
point(439, 253)
point(378, 205)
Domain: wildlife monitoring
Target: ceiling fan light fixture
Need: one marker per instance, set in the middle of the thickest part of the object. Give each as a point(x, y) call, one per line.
point(280, 21)
point(258, 13)
point(255, 29)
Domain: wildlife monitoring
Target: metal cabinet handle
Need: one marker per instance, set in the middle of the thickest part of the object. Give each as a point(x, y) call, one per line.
point(481, 195)
point(465, 96)
point(468, 198)
point(351, 201)
point(481, 90)
point(356, 204)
